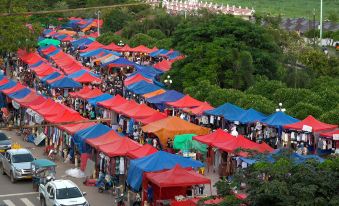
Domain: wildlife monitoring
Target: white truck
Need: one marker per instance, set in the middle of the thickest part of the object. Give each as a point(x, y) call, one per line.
point(16, 163)
point(61, 193)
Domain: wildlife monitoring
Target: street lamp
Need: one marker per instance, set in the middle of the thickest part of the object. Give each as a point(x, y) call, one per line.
point(168, 80)
point(280, 109)
point(120, 43)
point(98, 14)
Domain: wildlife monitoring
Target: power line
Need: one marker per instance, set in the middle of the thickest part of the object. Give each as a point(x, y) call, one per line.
point(69, 10)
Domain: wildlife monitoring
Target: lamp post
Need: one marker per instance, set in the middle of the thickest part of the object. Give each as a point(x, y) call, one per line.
point(120, 43)
point(321, 22)
point(98, 14)
point(168, 81)
point(280, 108)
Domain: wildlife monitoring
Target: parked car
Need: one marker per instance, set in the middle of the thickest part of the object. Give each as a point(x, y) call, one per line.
point(5, 142)
point(61, 193)
point(17, 164)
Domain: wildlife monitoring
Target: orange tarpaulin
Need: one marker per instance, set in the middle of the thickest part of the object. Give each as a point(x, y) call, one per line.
point(68, 32)
point(155, 93)
point(171, 126)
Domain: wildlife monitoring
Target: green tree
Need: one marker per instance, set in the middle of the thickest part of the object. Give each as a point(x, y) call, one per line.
point(301, 110)
point(141, 39)
point(331, 116)
point(110, 37)
point(256, 102)
point(156, 34)
point(116, 19)
point(164, 43)
point(266, 88)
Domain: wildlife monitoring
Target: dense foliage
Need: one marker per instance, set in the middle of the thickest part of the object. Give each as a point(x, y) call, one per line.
point(287, 183)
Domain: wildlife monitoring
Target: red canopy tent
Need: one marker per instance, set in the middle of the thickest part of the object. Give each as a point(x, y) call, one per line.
point(119, 147)
point(47, 103)
point(50, 81)
point(90, 94)
point(143, 151)
point(186, 102)
point(265, 147)
point(164, 65)
point(92, 46)
point(173, 182)
point(83, 90)
point(333, 134)
point(140, 111)
point(136, 78)
point(125, 48)
point(49, 49)
point(44, 70)
point(29, 57)
point(17, 87)
point(200, 109)
point(154, 117)
point(87, 78)
point(219, 136)
point(141, 49)
point(31, 99)
point(312, 122)
point(73, 128)
point(130, 104)
point(106, 138)
point(115, 101)
point(64, 116)
point(4, 81)
point(112, 47)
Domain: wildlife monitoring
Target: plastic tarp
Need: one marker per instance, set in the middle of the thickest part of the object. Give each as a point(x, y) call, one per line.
point(141, 49)
point(143, 151)
point(115, 101)
point(142, 87)
point(177, 177)
point(171, 126)
point(140, 111)
point(80, 73)
point(148, 71)
point(121, 62)
point(164, 65)
point(65, 116)
point(228, 111)
point(88, 133)
point(279, 119)
point(81, 42)
point(330, 134)
point(186, 143)
point(93, 52)
point(87, 77)
point(311, 122)
point(168, 96)
point(106, 138)
point(156, 162)
point(158, 52)
point(20, 94)
point(200, 109)
point(73, 128)
point(155, 93)
point(31, 99)
point(91, 93)
point(136, 78)
point(113, 47)
point(119, 147)
point(239, 142)
point(51, 76)
point(17, 87)
point(185, 102)
point(103, 97)
point(251, 115)
point(130, 104)
point(44, 70)
point(65, 83)
point(7, 84)
point(48, 42)
point(218, 136)
point(154, 117)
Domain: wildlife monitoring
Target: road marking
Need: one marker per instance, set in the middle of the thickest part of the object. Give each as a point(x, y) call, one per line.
point(19, 194)
point(9, 203)
point(27, 202)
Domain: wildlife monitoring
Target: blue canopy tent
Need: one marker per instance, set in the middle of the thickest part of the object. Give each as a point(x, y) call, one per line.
point(120, 61)
point(19, 94)
point(53, 53)
point(142, 87)
point(66, 83)
point(158, 52)
point(279, 119)
point(95, 100)
point(228, 111)
point(173, 55)
point(72, 24)
point(35, 64)
point(82, 72)
point(156, 162)
point(88, 133)
point(251, 115)
point(8, 85)
point(46, 31)
point(96, 52)
point(89, 21)
point(51, 76)
point(81, 42)
point(147, 71)
point(169, 96)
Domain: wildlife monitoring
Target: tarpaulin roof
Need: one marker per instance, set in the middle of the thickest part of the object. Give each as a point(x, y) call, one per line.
point(311, 122)
point(171, 126)
point(83, 91)
point(164, 65)
point(200, 109)
point(92, 46)
point(238, 142)
point(143, 151)
point(115, 101)
point(154, 117)
point(141, 49)
point(31, 99)
point(185, 142)
point(106, 138)
point(112, 46)
point(65, 83)
point(218, 136)
point(119, 147)
point(142, 87)
point(155, 93)
point(158, 52)
point(20, 94)
point(44, 70)
point(64, 116)
point(90, 132)
point(130, 104)
point(156, 162)
point(93, 52)
point(228, 111)
point(6, 84)
point(120, 62)
point(51, 76)
point(73, 128)
point(92, 93)
point(80, 73)
point(87, 77)
point(49, 41)
point(82, 41)
point(68, 32)
point(125, 48)
point(136, 78)
point(43, 104)
point(103, 97)
point(147, 70)
point(251, 115)
point(279, 119)
point(29, 57)
point(140, 111)
point(186, 102)
point(177, 177)
point(17, 87)
point(331, 134)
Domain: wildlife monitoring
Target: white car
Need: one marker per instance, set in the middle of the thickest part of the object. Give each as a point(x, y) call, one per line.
point(61, 193)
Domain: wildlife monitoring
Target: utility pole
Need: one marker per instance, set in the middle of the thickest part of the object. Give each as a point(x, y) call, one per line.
point(321, 22)
point(314, 28)
point(98, 13)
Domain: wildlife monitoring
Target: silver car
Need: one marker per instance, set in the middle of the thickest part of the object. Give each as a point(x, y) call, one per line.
point(5, 143)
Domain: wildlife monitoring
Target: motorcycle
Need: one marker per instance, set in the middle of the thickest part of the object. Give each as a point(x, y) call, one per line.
point(105, 184)
point(120, 200)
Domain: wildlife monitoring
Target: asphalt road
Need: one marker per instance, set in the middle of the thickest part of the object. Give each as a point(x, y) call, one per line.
point(21, 193)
